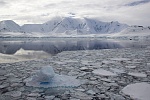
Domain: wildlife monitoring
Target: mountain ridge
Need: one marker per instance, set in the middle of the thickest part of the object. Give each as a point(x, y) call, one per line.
point(66, 25)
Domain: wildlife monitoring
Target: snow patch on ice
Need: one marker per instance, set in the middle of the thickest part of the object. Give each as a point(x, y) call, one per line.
point(138, 91)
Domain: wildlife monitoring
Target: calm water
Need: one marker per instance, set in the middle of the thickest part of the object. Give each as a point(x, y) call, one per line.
point(57, 45)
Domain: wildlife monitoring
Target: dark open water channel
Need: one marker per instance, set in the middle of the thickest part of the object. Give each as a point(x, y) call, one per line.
point(57, 45)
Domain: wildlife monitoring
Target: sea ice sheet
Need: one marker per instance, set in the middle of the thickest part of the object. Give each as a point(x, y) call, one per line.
point(138, 91)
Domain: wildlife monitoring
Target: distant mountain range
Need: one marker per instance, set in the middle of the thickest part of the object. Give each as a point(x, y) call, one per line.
point(70, 25)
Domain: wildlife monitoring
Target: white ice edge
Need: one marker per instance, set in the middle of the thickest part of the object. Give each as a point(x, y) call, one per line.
point(138, 91)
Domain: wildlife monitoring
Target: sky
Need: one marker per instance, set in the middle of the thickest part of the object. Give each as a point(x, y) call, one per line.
point(131, 12)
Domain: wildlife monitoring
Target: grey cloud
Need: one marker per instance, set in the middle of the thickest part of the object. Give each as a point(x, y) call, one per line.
point(89, 5)
point(50, 5)
point(2, 3)
point(8, 15)
point(37, 11)
point(138, 3)
point(45, 14)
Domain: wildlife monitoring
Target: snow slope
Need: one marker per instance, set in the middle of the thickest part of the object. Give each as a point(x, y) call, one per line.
point(75, 25)
point(134, 31)
point(42, 28)
point(9, 26)
point(32, 28)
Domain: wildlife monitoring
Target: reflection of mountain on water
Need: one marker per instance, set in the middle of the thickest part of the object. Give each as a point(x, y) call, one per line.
point(56, 46)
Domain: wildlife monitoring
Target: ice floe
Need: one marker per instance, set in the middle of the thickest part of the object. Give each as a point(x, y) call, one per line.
point(118, 71)
point(103, 72)
point(130, 66)
point(138, 91)
point(148, 64)
point(137, 74)
point(120, 59)
point(14, 93)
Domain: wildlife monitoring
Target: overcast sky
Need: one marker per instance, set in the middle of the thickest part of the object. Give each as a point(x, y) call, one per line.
point(132, 12)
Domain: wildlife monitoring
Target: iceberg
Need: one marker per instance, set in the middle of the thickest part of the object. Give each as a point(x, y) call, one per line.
point(46, 74)
point(46, 78)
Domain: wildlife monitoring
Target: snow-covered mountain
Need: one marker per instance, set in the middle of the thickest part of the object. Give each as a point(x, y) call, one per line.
point(9, 26)
point(42, 28)
point(75, 25)
point(134, 32)
point(32, 28)
point(136, 29)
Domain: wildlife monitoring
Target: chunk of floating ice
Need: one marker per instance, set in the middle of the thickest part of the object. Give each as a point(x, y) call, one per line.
point(130, 67)
point(104, 72)
point(137, 74)
point(108, 62)
point(46, 77)
point(118, 71)
point(138, 91)
point(120, 59)
point(148, 64)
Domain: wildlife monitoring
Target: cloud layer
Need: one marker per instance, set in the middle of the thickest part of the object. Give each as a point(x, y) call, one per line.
point(132, 12)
